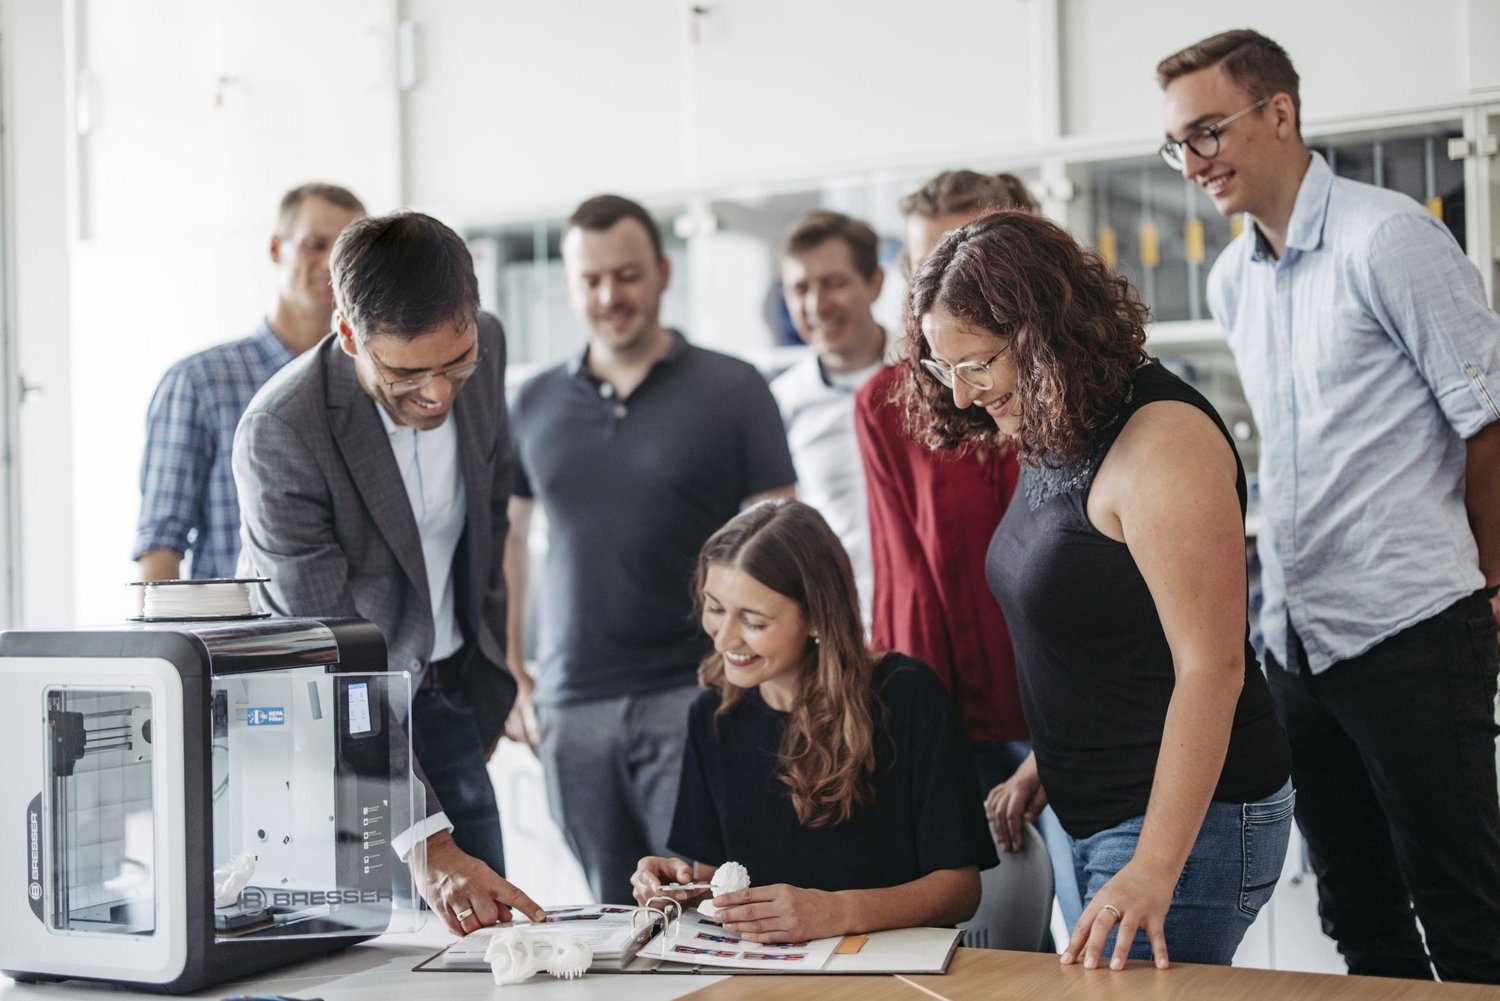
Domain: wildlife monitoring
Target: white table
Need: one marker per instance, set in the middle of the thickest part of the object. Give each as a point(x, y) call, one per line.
point(381, 970)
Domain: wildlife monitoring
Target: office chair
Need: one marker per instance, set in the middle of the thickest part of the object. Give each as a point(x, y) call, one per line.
point(1015, 903)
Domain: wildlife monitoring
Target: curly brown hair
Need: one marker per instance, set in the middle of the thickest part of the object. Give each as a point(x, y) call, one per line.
point(1076, 332)
point(828, 751)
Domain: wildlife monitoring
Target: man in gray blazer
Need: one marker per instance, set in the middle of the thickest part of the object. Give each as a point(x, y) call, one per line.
point(359, 497)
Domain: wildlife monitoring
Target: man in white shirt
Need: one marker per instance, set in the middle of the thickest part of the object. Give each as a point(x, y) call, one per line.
point(831, 277)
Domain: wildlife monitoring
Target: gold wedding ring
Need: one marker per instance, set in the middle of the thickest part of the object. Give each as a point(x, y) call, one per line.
point(1112, 909)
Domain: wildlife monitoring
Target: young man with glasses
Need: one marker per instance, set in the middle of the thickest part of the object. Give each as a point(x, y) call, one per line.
point(1371, 362)
point(361, 497)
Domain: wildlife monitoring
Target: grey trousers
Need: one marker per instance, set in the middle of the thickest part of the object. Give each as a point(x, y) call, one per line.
point(612, 768)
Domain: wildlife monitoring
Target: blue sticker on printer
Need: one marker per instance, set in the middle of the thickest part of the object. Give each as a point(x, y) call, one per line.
point(265, 716)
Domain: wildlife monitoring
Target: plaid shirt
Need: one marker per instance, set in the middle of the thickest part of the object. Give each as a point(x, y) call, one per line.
point(188, 502)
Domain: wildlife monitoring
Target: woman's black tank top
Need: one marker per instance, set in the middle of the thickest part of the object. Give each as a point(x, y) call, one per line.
point(1094, 667)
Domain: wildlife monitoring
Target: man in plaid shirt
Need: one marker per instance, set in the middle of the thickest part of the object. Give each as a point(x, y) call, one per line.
point(188, 501)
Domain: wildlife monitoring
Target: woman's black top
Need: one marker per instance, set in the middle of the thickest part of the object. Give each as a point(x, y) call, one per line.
point(1093, 663)
point(927, 813)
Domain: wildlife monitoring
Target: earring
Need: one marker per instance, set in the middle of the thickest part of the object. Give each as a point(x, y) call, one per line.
point(817, 638)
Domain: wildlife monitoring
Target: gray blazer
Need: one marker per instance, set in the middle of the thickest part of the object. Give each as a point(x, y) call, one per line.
point(325, 515)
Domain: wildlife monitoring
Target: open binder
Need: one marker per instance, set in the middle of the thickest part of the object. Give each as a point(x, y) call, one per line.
point(641, 940)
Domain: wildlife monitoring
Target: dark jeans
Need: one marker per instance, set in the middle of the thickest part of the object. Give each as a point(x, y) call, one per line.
point(1393, 756)
point(448, 744)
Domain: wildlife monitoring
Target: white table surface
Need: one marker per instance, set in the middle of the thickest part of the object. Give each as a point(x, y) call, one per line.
point(381, 970)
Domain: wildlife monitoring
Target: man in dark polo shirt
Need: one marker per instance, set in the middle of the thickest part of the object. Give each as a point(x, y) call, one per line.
point(637, 451)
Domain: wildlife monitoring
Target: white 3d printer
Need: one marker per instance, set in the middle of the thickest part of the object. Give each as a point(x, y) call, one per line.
point(142, 758)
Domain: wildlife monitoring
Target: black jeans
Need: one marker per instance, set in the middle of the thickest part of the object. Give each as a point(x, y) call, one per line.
point(1393, 757)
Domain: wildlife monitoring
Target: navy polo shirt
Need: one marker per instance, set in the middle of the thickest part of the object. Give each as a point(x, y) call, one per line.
point(632, 488)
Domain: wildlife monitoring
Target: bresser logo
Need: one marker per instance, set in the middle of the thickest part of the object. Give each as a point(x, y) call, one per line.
point(254, 898)
point(35, 864)
point(34, 822)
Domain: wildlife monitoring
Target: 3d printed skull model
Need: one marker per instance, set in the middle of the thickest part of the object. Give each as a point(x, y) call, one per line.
point(729, 877)
point(512, 956)
point(515, 955)
point(570, 957)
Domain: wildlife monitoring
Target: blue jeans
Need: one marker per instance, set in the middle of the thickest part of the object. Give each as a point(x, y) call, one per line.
point(1235, 864)
point(996, 761)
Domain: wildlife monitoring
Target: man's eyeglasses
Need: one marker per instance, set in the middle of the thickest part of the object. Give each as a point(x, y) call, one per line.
point(976, 375)
point(411, 383)
point(1202, 141)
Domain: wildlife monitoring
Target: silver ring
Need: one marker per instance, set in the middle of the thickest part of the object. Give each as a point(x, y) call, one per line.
point(463, 915)
point(1112, 909)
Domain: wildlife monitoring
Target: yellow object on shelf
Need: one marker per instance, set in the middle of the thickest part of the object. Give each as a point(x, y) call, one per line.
point(1109, 246)
point(1192, 240)
point(1236, 226)
point(1150, 245)
point(1435, 206)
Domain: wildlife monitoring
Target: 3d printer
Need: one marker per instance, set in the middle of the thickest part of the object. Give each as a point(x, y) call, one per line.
point(147, 756)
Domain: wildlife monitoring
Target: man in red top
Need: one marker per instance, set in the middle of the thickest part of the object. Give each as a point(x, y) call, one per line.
point(931, 518)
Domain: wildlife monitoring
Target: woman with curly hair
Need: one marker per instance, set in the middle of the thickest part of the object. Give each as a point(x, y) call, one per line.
point(838, 777)
point(1121, 571)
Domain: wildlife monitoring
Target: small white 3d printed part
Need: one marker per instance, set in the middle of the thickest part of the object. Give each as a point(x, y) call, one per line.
point(729, 877)
point(570, 957)
point(232, 877)
point(512, 956)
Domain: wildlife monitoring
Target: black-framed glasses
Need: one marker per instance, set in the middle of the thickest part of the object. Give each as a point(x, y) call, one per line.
point(1202, 141)
point(411, 383)
point(975, 374)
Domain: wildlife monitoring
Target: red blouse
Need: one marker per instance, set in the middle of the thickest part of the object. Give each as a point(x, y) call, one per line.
point(932, 514)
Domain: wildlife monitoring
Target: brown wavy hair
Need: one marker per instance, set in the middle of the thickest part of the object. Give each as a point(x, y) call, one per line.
point(828, 751)
point(1076, 332)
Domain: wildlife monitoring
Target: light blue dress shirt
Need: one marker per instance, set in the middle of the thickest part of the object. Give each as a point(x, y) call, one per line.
point(1368, 354)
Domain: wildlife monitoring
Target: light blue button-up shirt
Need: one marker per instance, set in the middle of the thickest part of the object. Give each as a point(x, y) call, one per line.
point(1368, 354)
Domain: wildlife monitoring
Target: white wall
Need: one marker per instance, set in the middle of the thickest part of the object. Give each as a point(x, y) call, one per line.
point(36, 136)
point(524, 108)
point(1355, 57)
point(204, 113)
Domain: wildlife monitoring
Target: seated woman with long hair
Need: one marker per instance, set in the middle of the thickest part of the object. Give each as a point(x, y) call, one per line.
point(838, 777)
point(1121, 570)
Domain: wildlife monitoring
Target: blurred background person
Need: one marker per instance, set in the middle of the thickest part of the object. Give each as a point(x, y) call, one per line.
point(189, 507)
point(927, 507)
point(831, 277)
